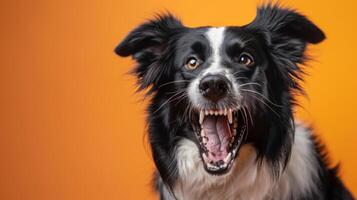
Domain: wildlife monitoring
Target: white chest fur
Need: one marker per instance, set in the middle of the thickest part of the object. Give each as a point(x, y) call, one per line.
point(247, 180)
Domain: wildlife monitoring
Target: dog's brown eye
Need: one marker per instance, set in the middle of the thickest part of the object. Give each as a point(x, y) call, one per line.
point(246, 59)
point(192, 63)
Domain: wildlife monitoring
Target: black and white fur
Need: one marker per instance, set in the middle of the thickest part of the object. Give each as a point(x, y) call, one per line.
point(278, 158)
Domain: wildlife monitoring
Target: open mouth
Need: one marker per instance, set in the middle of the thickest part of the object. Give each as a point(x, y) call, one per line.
point(220, 135)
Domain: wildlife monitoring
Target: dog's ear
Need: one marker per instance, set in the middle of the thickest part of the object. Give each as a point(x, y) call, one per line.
point(148, 44)
point(286, 31)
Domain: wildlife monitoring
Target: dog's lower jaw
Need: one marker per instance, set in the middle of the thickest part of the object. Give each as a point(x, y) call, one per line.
point(246, 180)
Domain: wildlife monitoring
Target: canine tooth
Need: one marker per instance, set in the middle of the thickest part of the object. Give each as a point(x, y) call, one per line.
point(202, 133)
point(228, 157)
point(204, 157)
point(230, 117)
point(202, 116)
point(225, 111)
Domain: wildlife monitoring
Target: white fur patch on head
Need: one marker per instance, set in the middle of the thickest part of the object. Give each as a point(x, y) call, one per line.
point(215, 37)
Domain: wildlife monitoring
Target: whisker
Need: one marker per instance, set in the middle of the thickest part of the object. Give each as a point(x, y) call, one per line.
point(237, 72)
point(188, 73)
point(172, 82)
point(252, 91)
point(253, 83)
point(182, 97)
point(167, 101)
point(265, 104)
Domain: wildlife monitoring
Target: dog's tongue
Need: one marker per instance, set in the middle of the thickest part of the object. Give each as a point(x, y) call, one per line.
point(218, 132)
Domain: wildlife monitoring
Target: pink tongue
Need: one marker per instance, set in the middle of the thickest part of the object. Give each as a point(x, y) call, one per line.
point(218, 132)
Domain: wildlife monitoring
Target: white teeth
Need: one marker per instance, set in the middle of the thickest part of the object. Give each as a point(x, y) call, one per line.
point(230, 116)
point(228, 157)
point(213, 167)
point(226, 112)
point(202, 133)
point(204, 157)
point(202, 116)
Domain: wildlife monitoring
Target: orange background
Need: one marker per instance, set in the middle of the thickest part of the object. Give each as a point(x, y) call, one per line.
point(70, 125)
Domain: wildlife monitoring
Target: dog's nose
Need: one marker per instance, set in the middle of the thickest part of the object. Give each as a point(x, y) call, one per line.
point(214, 87)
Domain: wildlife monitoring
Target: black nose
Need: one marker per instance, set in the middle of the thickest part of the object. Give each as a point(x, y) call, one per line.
point(214, 87)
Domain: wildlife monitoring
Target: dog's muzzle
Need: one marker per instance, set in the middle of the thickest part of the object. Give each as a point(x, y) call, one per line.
point(214, 87)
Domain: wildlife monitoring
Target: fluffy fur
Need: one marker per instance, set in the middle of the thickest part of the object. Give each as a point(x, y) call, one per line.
point(276, 157)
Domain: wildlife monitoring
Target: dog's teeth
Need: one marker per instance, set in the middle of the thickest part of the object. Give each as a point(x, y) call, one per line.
point(204, 157)
point(230, 116)
point(224, 165)
point(202, 133)
point(225, 111)
point(216, 113)
point(220, 112)
point(212, 166)
point(202, 116)
point(206, 112)
point(211, 112)
point(228, 157)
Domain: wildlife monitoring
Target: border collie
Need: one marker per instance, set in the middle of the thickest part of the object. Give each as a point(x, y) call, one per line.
point(220, 119)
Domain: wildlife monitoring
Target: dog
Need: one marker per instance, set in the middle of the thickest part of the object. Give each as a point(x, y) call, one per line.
point(220, 117)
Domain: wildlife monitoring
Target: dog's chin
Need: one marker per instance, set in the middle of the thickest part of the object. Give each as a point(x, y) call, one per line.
point(220, 134)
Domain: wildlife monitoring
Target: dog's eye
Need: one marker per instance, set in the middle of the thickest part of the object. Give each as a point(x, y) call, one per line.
point(192, 63)
point(246, 59)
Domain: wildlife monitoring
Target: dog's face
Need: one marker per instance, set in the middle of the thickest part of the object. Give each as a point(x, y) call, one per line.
point(223, 86)
point(222, 72)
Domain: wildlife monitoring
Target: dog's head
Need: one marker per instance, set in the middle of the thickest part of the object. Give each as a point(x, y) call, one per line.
point(231, 85)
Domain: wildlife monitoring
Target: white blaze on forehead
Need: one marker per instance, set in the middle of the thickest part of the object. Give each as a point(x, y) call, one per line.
point(215, 37)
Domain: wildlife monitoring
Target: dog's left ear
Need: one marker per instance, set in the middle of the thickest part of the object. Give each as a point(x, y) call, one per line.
point(286, 31)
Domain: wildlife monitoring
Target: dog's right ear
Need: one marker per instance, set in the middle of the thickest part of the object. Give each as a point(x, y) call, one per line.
point(149, 37)
point(148, 44)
